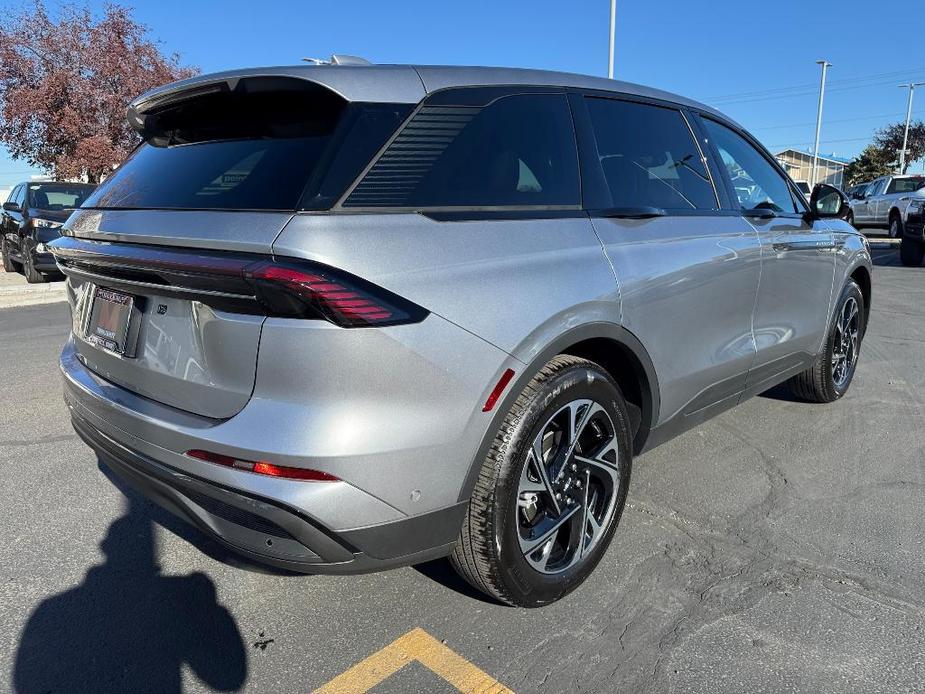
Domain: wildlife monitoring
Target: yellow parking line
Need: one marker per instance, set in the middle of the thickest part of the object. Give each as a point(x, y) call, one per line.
point(417, 645)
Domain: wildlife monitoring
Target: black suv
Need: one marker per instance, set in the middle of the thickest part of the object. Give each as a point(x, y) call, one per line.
point(32, 217)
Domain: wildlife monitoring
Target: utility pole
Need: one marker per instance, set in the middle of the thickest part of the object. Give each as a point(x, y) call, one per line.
point(902, 153)
point(825, 66)
point(613, 30)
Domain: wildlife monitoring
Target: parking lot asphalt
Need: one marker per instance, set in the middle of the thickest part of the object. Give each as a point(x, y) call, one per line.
point(777, 548)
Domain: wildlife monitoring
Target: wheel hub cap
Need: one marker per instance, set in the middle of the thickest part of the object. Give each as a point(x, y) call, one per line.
point(847, 341)
point(568, 487)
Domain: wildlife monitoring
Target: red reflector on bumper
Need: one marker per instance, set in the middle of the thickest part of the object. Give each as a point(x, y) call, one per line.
point(498, 389)
point(263, 468)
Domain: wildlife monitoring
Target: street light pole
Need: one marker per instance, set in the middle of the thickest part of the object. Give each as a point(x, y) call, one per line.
point(902, 153)
point(613, 30)
point(825, 66)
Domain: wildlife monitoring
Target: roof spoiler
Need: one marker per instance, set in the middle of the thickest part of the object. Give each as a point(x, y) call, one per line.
point(145, 113)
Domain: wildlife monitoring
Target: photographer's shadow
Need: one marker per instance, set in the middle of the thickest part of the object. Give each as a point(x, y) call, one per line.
point(128, 627)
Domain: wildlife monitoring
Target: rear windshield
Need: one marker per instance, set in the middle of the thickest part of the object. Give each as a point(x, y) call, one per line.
point(258, 148)
point(58, 196)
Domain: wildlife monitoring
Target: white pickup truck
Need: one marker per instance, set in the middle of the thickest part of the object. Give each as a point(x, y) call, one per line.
point(884, 202)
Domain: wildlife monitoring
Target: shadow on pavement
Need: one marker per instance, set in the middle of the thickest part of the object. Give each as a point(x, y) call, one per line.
point(128, 627)
point(187, 531)
point(780, 392)
point(442, 572)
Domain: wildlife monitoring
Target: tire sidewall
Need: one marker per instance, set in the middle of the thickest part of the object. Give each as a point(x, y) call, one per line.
point(851, 289)
point(897, 223)
point(5, 253)
point(528, 586)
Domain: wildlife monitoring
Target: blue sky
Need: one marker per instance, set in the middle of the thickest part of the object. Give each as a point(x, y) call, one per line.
point(753, 60)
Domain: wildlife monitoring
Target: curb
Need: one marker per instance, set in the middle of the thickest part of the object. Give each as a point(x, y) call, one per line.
point(31, 295)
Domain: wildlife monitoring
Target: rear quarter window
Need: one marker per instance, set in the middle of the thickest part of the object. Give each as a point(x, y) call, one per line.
point(518, 151)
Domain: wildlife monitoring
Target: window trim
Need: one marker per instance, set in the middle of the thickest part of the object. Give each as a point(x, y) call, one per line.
point(592, 169)
point(795, 194)
point(439, 98)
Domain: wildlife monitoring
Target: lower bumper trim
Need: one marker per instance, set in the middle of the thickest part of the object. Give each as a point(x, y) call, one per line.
point(269, 533)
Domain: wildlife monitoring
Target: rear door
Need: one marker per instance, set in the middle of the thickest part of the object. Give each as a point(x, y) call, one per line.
point(687, 268)
point(7, 227)
point(797, 258)
point(880, 208)
point(14, 221)
point(871, 196)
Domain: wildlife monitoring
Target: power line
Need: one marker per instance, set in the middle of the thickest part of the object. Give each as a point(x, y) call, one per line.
point(813, 86)
point(821, 142)
point(795, 94)
point(836, 120)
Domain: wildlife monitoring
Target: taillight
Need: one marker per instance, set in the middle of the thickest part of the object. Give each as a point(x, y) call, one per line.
point(286, 287)
point(263, 468)
point(307, 289)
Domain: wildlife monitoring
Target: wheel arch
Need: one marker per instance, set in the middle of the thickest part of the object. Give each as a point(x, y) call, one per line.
point(617, 351)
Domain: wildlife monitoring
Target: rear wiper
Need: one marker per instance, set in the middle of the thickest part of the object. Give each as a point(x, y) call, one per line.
point(644, 212)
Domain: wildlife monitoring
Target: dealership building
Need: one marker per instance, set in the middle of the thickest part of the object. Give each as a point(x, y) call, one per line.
point(799, 165)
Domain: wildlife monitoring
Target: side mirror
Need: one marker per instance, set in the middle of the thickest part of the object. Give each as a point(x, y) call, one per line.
point(11, 207)
point(828, 201)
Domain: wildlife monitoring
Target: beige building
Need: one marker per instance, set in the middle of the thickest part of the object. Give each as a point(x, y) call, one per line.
point(800, 166)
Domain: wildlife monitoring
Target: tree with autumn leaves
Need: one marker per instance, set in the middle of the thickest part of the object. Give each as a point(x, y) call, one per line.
point(66, 81)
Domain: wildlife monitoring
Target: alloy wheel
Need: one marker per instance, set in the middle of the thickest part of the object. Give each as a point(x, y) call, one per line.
point(568, 487)
point(847, 341)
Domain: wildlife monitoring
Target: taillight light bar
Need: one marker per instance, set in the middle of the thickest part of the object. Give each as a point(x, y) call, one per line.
point(261, 467)
point(276, 286)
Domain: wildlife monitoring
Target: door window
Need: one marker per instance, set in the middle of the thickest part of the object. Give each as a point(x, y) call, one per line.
point(649, 157)
point(758, 184)
point(517, 151)
point(905, 185)
point(19, 195)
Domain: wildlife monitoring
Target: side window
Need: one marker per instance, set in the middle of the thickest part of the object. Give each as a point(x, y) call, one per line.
point(20, 195)
point(12, 196)
point(758, 185)
point(875, 187)
point(516, 151)
point(649, 156)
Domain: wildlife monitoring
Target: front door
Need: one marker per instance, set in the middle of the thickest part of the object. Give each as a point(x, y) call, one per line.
point(797, 261)
point(687, 270)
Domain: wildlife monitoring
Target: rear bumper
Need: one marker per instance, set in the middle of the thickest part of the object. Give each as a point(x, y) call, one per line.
point(269, 532)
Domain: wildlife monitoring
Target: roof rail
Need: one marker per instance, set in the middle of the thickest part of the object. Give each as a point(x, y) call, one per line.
point(338, 59)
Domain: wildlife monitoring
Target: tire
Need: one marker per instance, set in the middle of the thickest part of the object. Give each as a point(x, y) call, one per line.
point(8, 264)
point(911, 252)
point(896, 227)
point(493, 554)
point(831, 374)
point(33, 276)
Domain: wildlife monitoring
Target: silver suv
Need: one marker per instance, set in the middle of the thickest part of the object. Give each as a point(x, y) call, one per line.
point(350, 317)
point(884, 203)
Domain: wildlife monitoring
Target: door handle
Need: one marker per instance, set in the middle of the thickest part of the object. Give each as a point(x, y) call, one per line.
point(808, 245)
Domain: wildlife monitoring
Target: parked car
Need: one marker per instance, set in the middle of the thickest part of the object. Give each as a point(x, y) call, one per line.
point(912, 244)
point(344, 318)
point(31, 219)
point(883, 203)
point(803, 187)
